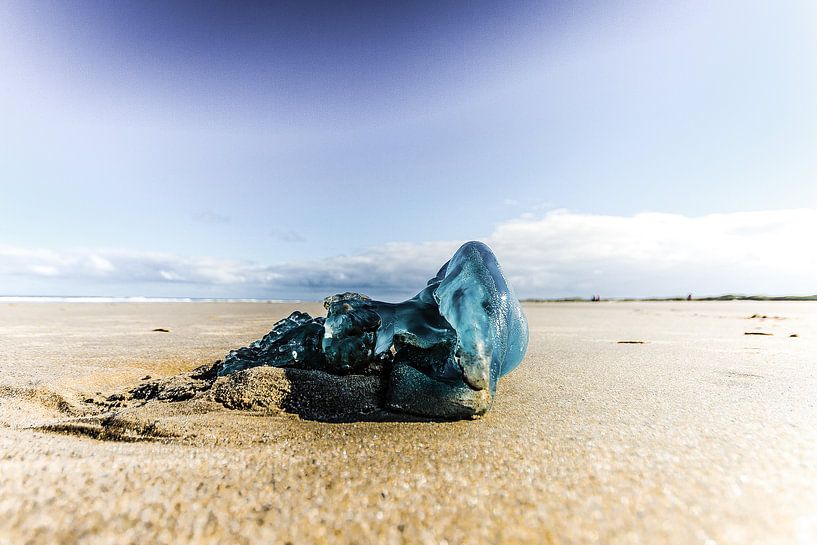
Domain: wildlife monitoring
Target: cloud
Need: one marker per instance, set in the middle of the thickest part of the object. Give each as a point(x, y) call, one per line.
point(287, 236)
point(121, 266)
point(210, 217)
point(556, 254)
point(660, 254)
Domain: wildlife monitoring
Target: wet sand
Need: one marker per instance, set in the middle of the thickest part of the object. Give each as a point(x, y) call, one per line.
point(700, 434)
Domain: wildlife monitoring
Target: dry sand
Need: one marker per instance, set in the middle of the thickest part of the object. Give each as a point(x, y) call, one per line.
point(700, 435)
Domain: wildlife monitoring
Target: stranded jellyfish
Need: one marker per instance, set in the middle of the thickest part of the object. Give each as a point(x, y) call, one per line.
point(440, 353)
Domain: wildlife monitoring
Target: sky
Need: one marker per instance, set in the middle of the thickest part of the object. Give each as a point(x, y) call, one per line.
point(296, 149)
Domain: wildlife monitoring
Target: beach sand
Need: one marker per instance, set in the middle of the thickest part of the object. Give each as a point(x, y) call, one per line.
point(700, 434)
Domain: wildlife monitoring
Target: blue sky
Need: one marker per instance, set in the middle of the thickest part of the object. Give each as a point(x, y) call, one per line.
point(204, 149)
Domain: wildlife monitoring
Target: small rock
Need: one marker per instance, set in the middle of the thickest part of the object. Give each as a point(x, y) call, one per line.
point(162, 330)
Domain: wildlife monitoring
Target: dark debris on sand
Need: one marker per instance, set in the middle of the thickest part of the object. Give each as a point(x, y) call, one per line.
point(310, 394)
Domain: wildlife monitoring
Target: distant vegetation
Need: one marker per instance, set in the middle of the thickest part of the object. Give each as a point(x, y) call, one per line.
point(758, 298)
point(729, 297)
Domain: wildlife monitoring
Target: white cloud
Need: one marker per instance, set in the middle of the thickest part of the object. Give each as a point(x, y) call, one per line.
point(656, 254)
point(100, 263)
point(555, 254)
point(45, 270)
point(210, 217)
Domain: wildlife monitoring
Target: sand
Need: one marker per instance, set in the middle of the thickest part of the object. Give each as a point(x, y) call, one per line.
point(700, 434)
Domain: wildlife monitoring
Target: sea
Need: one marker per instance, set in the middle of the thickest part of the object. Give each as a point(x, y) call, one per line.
point(138, 299)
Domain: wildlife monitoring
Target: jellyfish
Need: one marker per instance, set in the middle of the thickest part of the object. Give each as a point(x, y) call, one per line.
point(441, 353)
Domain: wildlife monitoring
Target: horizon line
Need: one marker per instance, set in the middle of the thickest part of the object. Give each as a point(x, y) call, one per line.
point(568, 299)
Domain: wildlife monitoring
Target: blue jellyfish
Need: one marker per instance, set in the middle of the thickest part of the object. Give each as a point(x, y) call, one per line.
point(441, 352)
